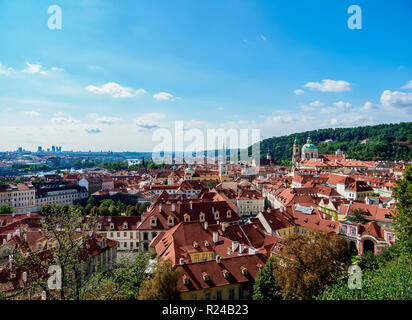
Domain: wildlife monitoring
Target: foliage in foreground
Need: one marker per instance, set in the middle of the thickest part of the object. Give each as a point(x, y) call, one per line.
point(163, 284)
point(392, 281)
point(121, 283)
point(308, 263)
point(265, 286)
point(403, 218)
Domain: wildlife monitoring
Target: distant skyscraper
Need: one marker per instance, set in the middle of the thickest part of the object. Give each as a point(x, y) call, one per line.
point(53, 149)
point(39, 149)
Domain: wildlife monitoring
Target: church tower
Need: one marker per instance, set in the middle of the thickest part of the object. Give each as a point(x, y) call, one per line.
point(223, 166)
point(296, 153)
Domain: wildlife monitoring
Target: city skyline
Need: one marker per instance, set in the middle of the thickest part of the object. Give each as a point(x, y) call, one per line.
point(116, 72)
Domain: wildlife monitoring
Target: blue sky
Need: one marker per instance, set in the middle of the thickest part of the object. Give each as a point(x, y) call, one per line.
point(119, 70)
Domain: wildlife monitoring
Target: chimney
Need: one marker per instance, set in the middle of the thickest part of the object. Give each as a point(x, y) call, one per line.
point(215, 237)
point(223, 227)
point(205, 225)
point(217, 259)
point(234, 245)
point(160, 207)
point(191, 205)
point(43, 295)
point(182, 261)
point(240, 249)
point(324, 216)
point(173, 207)
point(24, 276)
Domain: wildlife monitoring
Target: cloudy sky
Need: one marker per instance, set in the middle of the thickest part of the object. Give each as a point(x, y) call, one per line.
point(118, 71)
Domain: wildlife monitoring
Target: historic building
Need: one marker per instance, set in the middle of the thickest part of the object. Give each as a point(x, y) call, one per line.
point(309, 150)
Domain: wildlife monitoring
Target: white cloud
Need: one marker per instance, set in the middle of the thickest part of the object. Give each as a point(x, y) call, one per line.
point(329, 86)
point(34, 68)
point(57, 69)
point(342, 105)
point(92, 130)
point(316, 103)
point(368, 106)
point(107, 120)
point(163, 96)
point(263, 37)
point(397, 99)
point(60, 117)
point(115, 90)
point(31, 113)
point(299, 92)
point(220, 108)
point(283, 119)
point(334, 122)
point(149, 121)
point(408, 85)
point(6, 70)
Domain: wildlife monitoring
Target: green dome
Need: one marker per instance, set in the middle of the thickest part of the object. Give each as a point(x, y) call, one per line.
point(189, 170)
point(309, 146)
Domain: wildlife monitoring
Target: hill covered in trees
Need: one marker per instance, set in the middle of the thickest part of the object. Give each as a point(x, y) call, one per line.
point(380, 142)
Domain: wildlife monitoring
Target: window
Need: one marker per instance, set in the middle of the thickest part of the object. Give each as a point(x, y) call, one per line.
point(231, 294)
point(207, 296)
point(241, 293)
point(219, 295)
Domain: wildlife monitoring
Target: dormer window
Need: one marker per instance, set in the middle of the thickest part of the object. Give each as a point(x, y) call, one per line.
point(195, 244)
point(153, 222)
point(205, 276)
point(202, 217)
point(125, 226)
point(99, 226)
point(186, 218)
point(243, 270)
point(226, 274)
point(229, 214)
point(186, 279)
point(112, 226)
point(217, 215)
point(170, 221)
point(206, 243)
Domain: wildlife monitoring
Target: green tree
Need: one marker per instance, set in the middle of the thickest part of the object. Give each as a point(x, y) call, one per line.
point(357, 216)
point(91, 201)
point(121, 283)
point(6, 210)
point(392, 281)
point(163, 284)
point(120, 206)
point(308, 263)
point(69, 251)
point(107, 203)
point(265, 286)
point(403, 217)
point(211, 184)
